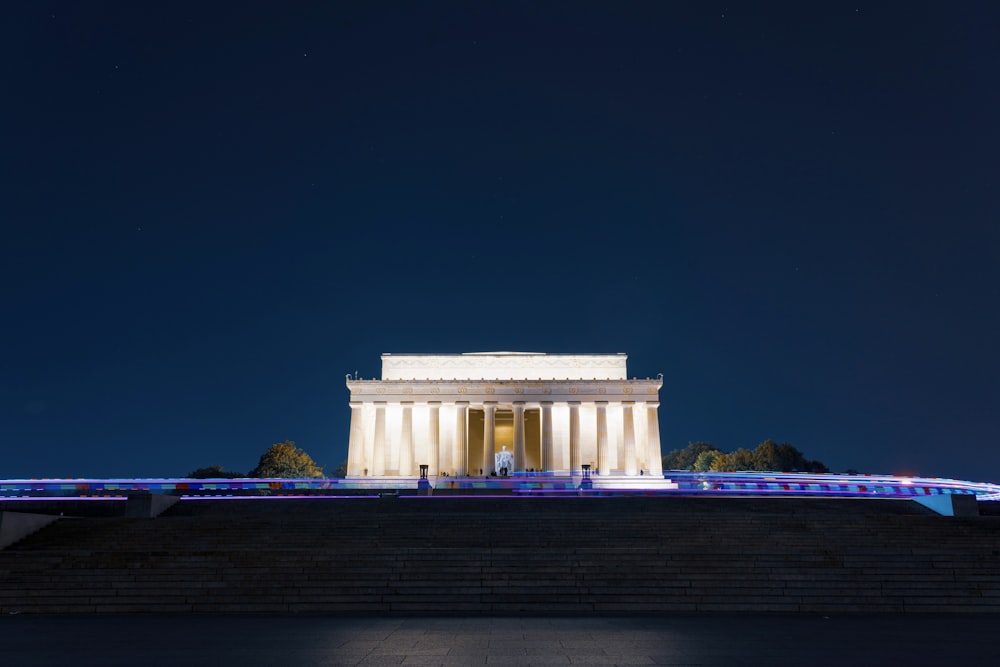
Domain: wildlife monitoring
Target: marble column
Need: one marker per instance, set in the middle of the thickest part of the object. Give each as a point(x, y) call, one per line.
point(628, 438)
point(519, 454)
point(446, 458)
point(356, 444)
point(378, 450)
point(548, 454)
point(654, 456)
point(574, 437)
point(434, 435)
point(406, 441)
point(489, 437)
point(603, 458)
point(461, 446)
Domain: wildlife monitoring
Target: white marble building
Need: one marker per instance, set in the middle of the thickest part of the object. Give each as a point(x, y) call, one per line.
point(553, 412)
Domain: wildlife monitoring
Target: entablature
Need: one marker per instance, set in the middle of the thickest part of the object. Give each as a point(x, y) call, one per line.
point(504, 391)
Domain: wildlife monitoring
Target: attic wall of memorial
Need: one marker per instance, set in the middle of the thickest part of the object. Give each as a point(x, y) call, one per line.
point(504, 366)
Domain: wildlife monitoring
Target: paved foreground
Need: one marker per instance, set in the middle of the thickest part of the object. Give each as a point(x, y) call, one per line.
point(913, 640)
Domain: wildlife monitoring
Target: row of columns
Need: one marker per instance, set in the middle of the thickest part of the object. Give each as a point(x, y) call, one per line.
point(443, 461)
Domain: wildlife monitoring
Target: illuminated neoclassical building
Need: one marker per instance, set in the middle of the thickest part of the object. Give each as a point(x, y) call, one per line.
point(466, 414)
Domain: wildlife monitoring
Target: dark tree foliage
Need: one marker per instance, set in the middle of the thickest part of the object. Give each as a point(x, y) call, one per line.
point(214, 472)
point(285, 460)
point(768, 455)
point(684, 459)
point(340, 471)
point(741, 459)
point(706, 460)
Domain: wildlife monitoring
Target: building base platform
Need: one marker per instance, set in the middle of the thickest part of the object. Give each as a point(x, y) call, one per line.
point(517, 483)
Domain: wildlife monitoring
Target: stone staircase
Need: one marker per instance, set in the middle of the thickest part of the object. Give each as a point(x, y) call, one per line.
point(511, 555)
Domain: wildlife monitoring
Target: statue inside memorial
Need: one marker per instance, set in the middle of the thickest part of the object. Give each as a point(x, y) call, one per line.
point(504, 462)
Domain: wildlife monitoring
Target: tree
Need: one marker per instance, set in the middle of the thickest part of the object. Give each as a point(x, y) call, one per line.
point(284, 459)
point(817, 466)
point(741, 459)
point(768, 455)
point(765, 456)
point(706, 460)
point(214, 472)
point(684, 459)
point(784, 458)
point(340, 471)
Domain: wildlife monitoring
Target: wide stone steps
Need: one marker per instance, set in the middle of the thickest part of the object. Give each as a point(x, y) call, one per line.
point(481, 556)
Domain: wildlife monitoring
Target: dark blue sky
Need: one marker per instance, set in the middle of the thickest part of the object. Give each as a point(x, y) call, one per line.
point(211, 212)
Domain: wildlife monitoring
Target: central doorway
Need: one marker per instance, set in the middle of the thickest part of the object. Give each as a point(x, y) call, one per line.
point(503, 436)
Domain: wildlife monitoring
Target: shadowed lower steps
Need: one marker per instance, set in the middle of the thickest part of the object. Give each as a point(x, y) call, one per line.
point(514, 555)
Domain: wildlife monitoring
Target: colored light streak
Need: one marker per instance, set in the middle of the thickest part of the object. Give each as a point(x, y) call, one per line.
point(291, 496)
point(689, 484)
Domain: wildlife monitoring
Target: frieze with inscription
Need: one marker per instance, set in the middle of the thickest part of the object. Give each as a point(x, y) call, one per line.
point(522, 389)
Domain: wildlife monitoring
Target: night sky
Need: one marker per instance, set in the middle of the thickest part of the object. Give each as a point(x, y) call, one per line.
point(211, 212)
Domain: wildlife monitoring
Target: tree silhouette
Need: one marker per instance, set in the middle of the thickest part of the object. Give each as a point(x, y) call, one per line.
point(684, 459)
point(213, 472)
point(284, 459)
